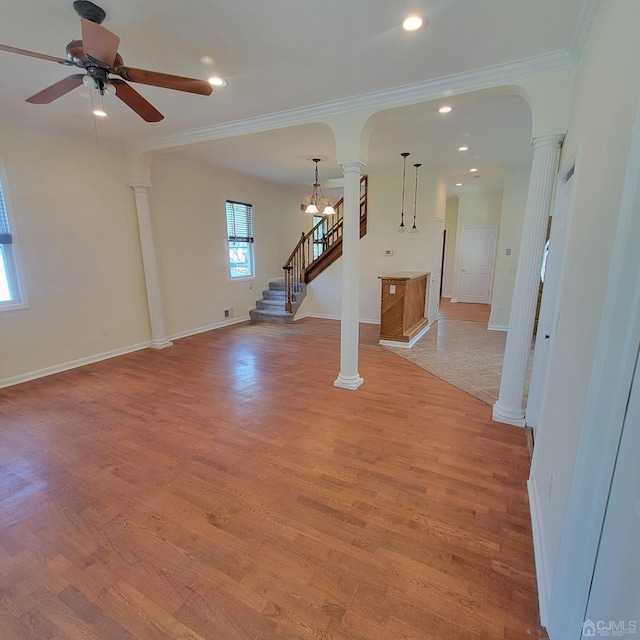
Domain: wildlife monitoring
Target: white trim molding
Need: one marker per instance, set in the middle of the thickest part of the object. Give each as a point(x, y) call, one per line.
point(72, 364)
point(208, 327)
point(404, 95)
point(406, 345)
point(540, 552)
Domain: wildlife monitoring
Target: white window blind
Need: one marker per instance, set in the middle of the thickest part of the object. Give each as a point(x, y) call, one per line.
point(239, 221)
point(240, 239)
point(5, 230)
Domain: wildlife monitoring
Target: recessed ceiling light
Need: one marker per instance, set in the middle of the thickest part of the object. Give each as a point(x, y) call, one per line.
point(463, 148)
point(445, 109)
point(216, 81)
point(472, 170)
point(100, 113)
point(208, 60)
point(412, 23)
point(458, 184)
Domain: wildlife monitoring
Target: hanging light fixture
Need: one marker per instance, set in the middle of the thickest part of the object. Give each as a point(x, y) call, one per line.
point(318, 199)
point(414, 229)
point(402, 228)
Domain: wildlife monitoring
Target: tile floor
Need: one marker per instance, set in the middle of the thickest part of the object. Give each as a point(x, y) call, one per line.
point(462, 351)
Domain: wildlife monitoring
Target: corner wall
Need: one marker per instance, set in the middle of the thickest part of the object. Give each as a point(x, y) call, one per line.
point(474, 210)
point(411, 252)
point(514, 201)
point(190, 228)
point(605, 103)
point(76, 223)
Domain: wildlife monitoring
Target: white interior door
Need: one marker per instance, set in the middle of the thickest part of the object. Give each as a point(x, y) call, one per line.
point(614, 601)
point(549, 305)
point(477, 255)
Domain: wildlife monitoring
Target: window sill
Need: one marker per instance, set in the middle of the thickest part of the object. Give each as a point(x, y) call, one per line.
point(13, 306)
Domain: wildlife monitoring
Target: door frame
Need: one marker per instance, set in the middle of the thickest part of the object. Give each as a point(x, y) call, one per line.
point(549, 305)
point(493, 259)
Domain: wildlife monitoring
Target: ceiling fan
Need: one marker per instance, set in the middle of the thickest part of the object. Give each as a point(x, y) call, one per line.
point(97, 55)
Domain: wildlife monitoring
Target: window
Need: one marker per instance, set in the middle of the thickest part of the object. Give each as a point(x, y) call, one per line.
point(11, 295)
point(240, 235)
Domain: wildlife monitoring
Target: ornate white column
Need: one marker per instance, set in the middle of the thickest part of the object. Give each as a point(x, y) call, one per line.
point(154, 297)
point(348, 377)
point(546, 155)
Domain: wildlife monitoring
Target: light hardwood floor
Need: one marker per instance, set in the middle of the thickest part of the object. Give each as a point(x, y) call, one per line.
point(223, 489)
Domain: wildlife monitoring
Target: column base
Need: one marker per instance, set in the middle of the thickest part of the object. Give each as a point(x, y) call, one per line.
point(160, 344)
point(348, 382)
point(506, 416)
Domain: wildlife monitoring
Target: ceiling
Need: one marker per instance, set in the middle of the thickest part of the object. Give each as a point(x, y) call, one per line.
point(293, 54)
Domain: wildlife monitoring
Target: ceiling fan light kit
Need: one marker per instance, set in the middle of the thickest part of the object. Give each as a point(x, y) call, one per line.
point(97, 55)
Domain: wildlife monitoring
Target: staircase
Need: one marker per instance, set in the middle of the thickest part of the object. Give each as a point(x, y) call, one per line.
point(315, 251)
point(272, 306)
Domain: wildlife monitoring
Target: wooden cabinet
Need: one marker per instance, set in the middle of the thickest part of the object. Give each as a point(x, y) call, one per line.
point(403, 316)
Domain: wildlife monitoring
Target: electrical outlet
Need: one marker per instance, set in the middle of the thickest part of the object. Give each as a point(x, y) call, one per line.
point(501, 311)
point(106, 331)
point(388, 252)
point(420, 264)
point(507, 252)
point(228, 313)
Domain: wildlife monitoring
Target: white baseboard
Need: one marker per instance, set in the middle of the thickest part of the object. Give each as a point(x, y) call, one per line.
point(406, 345)
point(498, 327)
point(325, 316)
point(209, 327)
point(540, 552)
point(73, 364)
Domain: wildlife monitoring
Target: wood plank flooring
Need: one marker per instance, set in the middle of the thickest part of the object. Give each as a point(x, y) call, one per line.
point(223, 489)
point(464, 311)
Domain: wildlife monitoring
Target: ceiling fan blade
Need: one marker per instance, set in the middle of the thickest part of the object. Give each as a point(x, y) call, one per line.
point(31, 54)
point(57, 90)
point(179, 83)
point(133, 99)
point(99, 43)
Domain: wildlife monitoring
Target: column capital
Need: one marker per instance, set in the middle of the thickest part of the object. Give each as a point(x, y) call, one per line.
point(352, 165)
point(139, 187)
point(548, 140)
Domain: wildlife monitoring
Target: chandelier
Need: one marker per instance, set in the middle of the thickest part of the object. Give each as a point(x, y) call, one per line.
point(318, 199)
point(414, 229)
point(402, 228)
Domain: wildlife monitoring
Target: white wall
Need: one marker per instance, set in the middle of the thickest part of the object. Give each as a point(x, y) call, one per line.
point(76, 221)
point(514, 200)
point(605, 103)
point(474, 210)
point(411, 252)
point(188, 210)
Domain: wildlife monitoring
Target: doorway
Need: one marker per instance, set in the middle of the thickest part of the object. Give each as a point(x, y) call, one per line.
point(553, 267)
point(477, 258)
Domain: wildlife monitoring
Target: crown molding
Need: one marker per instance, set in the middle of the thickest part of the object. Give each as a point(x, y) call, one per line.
point(485, 78)
point(587, 16)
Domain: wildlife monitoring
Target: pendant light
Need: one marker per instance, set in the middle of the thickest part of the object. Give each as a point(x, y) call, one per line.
point(414, 229)
point(402, 228)
point(318, 198)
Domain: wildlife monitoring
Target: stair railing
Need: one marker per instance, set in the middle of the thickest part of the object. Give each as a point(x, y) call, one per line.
point(312, 245)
